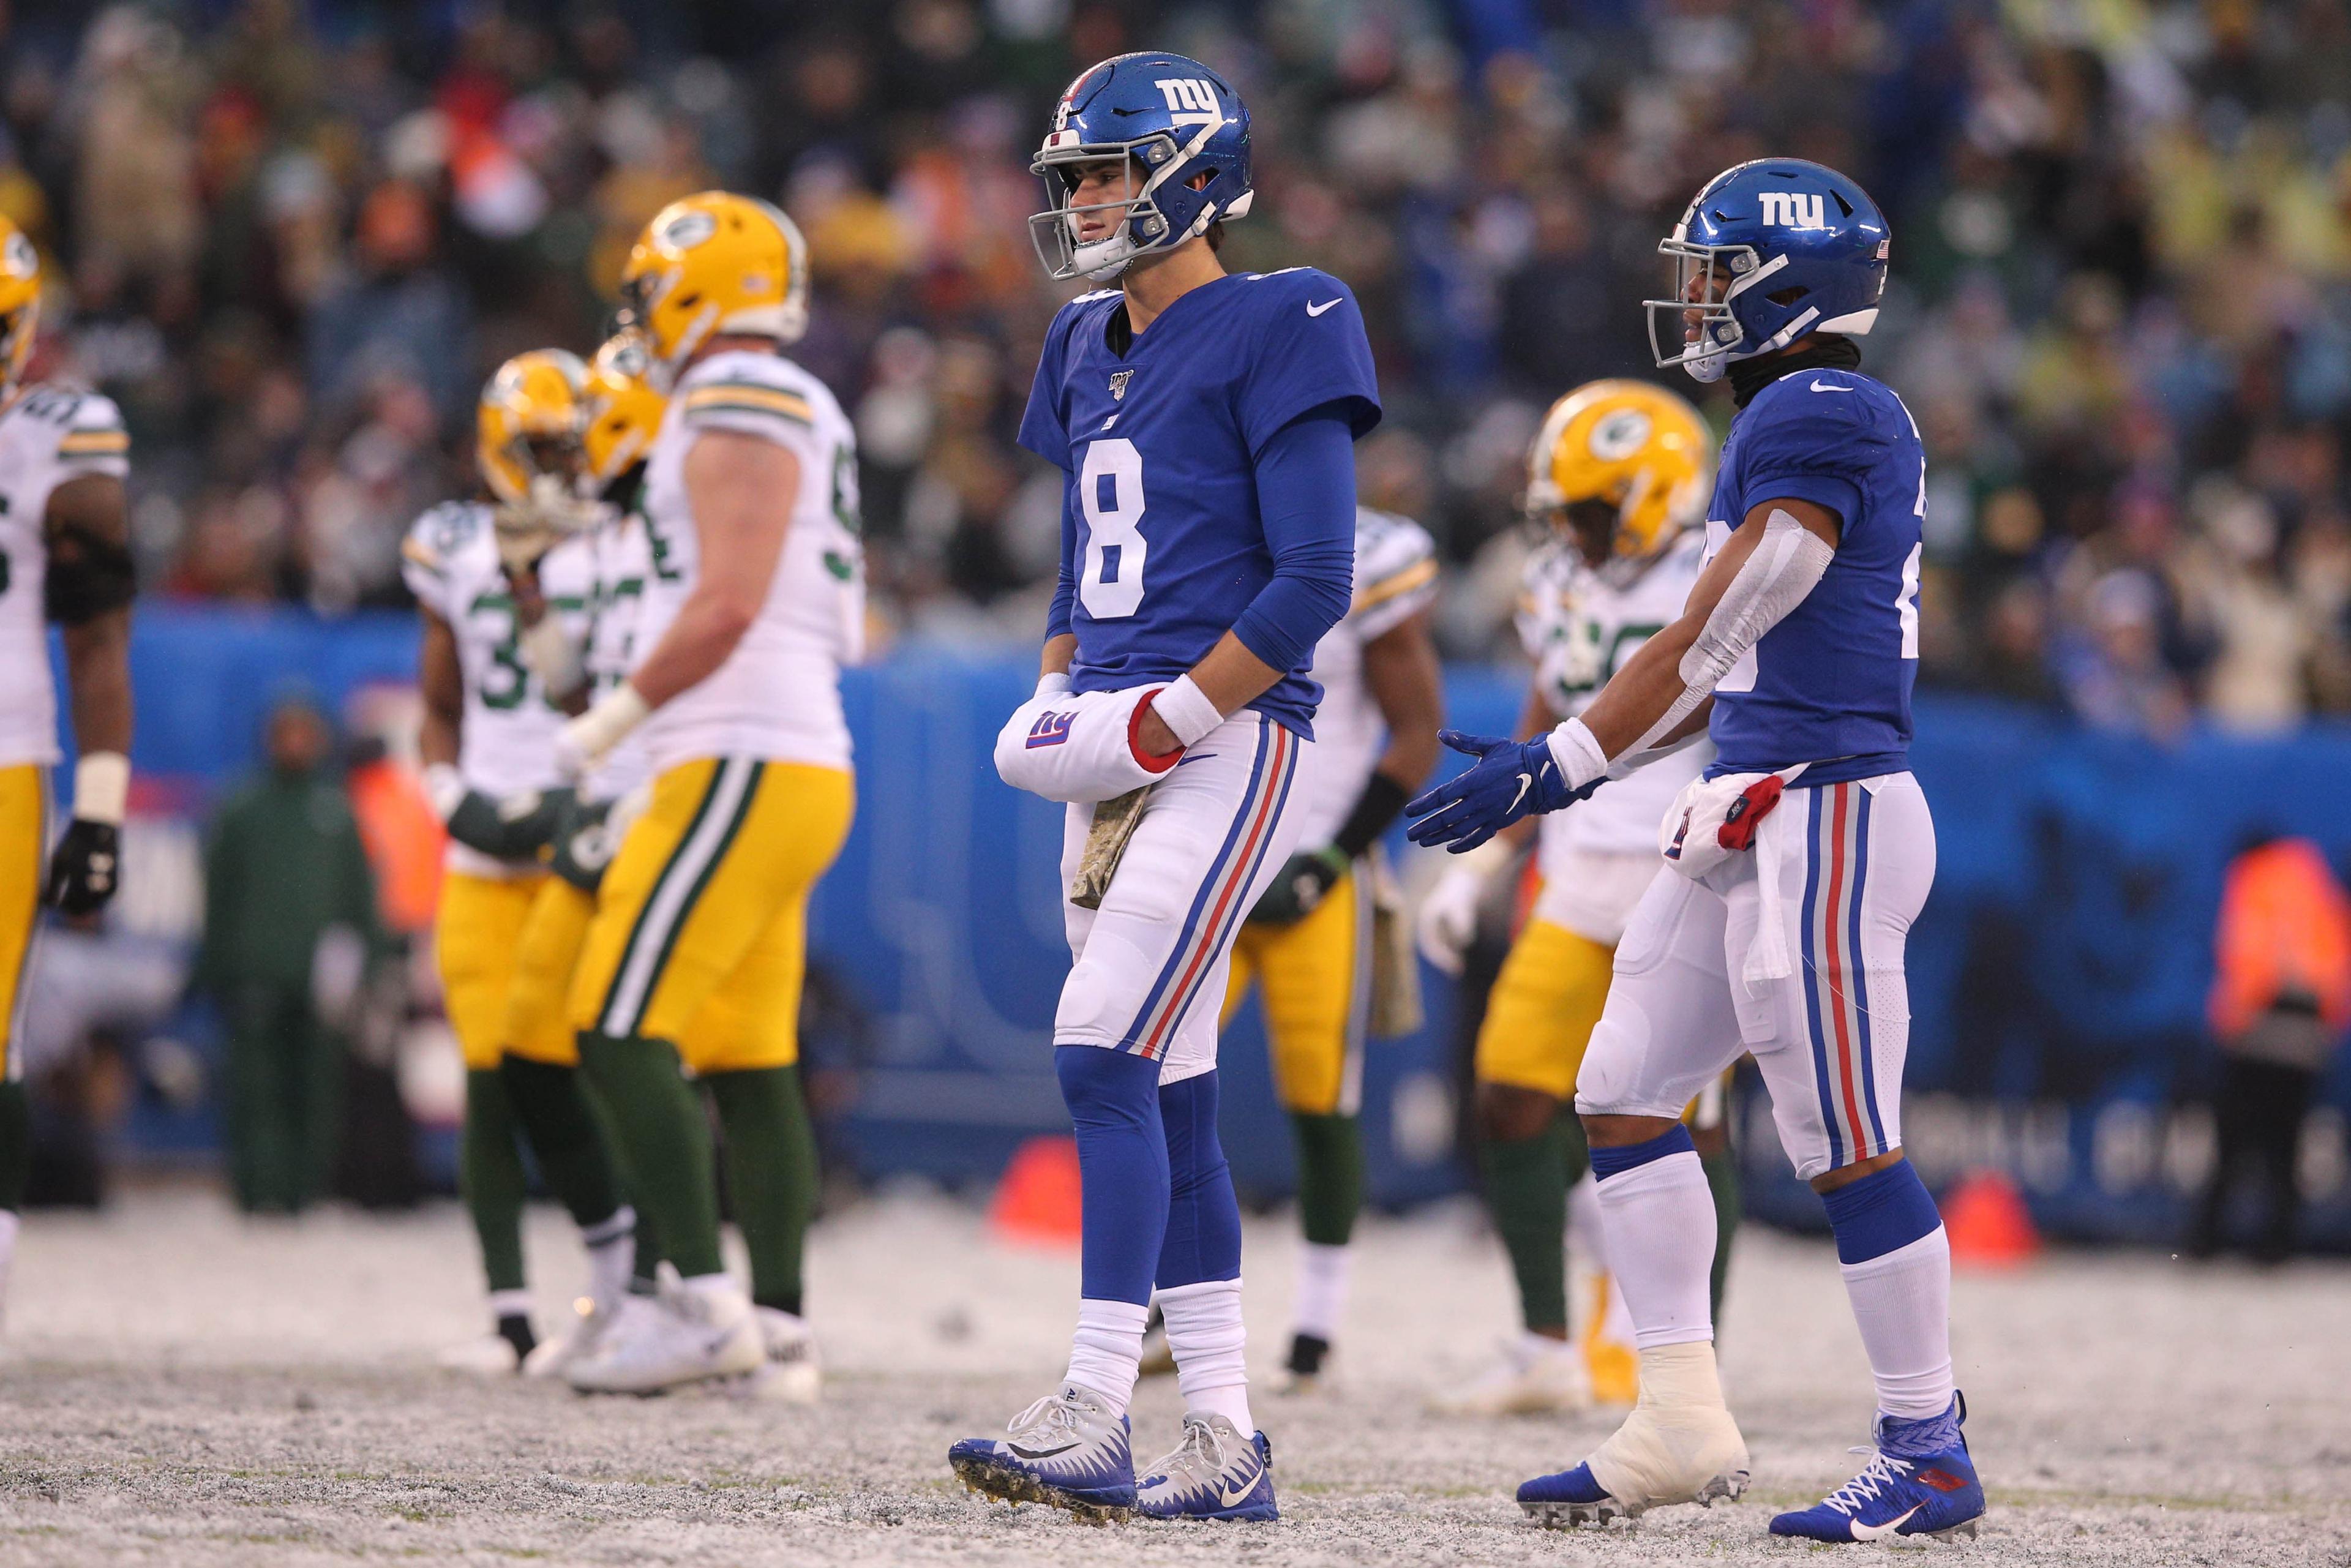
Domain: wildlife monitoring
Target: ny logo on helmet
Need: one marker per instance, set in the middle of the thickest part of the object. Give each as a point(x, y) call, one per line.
point(1792, 209)
point(1183, 93)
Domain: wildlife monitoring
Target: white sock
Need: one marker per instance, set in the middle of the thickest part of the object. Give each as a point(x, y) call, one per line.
point(612, 1254)
point(1321, 1290)
point(1659, 1220)
point(1903, 1303)
point(1107, 1349)
point(504, 1304)
point(9, 1223)
point(1211, 1348)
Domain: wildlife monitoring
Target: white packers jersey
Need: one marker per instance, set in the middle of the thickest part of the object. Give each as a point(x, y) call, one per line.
point(506, 745)
point(1395, 578)
point(778, 695)
point(620, 560)
point(48, 436)
point(1579, 627)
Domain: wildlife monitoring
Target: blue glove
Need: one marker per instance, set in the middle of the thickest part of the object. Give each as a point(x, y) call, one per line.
point(1510, 778)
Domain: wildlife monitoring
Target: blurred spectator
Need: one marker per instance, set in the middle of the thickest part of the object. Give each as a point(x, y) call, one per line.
point(290, 929)
point(2281, 1002)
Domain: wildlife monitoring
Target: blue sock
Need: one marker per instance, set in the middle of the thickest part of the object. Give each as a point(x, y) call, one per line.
point(1114, 1100)
point(1204, 1219)
point(1882, 1211)
point(1606, 1163)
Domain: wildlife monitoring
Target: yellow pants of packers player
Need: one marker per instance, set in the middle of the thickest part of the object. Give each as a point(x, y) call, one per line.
point(700, 935)
point(24, 839)
point(481, 934)
point(1316, 980)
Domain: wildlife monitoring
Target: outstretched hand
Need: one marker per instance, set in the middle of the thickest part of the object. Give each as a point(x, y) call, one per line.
point(1510, 779)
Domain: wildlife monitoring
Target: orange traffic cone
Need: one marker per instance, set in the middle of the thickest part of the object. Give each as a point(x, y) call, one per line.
point(1987, 1222)
point(1037, 1199)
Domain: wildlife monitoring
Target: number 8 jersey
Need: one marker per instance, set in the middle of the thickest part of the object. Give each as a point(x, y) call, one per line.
point(1830, 684)
point(1159, 435)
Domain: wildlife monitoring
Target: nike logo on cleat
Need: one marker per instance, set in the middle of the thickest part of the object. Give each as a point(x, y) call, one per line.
point(1233, 1499)
point(1318, 309)
point(1880, 1531)
point(1020, 1453)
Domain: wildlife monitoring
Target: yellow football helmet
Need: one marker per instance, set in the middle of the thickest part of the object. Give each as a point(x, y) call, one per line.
point(529, 441)
point(1622, 467)
point(20, 303)
point(715, 262)
point(624, 412)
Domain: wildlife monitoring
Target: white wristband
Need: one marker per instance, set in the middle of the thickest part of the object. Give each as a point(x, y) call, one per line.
point(102, 787)
point(1577, 751)
point(1186, 710)
point(1051, 683)
point(600, 729)
point(445, 787)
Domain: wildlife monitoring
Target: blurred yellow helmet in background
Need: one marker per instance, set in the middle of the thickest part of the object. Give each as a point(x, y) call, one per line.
point(529, 441)
point(624, 411)
point(715, 262)
point(20, 303)
point(1623, 466)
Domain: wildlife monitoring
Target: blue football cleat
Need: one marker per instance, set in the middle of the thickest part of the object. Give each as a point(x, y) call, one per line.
point(1214, 1473)
point(1907, 1489)
point(1067, 1451)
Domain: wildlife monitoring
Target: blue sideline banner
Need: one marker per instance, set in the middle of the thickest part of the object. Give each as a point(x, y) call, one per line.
point(2057, 976)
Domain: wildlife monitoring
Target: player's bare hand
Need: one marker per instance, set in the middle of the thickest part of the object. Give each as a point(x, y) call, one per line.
point(1153, 735)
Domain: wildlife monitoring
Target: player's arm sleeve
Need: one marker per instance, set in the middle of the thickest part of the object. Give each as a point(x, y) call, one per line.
point(1304, 362)
point(1397, 579)
point(1306, 498)
point(423, 567)
point(1059, 622)
point(744, 406)
point(1042, 428)
point(1816, 448)
point(95, 440)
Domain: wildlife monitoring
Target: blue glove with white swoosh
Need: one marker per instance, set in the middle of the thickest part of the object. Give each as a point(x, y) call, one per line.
point(1510, 778)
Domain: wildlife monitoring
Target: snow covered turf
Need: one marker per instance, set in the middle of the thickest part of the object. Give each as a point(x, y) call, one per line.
point(183, 1387)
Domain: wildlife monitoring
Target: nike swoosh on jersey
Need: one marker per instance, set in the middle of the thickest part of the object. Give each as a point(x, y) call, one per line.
point(1818, 387)
point(1318, 309)
point(1526, 782)
point(1880, 1531)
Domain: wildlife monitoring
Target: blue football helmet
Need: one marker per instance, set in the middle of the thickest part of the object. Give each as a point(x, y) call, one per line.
point(1171, 119)
point(1769, 251)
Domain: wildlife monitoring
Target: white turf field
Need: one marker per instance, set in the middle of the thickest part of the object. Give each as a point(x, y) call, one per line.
point(183, 1387)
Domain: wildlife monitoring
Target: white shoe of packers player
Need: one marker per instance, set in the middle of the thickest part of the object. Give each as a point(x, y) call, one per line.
point(700, 1331)
point(1535, 1377)
point(484, 1355)
point(792, 1373)
point(1679, 1445)
point(556, 1355)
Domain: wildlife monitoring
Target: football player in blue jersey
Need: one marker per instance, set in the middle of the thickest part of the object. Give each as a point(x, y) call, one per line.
point(1206, 423)
point(1795, 865)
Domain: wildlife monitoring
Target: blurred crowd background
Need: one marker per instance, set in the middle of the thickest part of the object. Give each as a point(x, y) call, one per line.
point(292, 240)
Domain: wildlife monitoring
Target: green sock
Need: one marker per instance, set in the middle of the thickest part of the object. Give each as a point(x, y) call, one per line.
point(553, 1112)
point(1330, 1176)
point(16, 1143)
point(644, 1269)
point(490, 1177)
point(1722, 1183)
point(771, 1171)
point(1526, 1192)
point(663, 1142)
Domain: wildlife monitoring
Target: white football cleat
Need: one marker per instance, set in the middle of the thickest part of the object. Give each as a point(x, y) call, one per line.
point(552, 1356)
point(1679, 1445)
point(792, 1373)
point(702, 1330)
point(484, 1355)
point(1535, 1377)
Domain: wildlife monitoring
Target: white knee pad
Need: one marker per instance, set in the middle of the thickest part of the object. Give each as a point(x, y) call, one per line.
point(1077, 747)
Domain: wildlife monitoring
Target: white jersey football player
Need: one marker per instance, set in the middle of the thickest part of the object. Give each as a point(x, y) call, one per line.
point(696, 951)
point(65, 558)
point(1617, 479)
point(493, 580)
point(1794, 867)
point(1308, 949)
point(1203, 423)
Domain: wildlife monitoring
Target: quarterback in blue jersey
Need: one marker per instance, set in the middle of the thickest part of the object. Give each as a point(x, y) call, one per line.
point(1793, 868)
point(1205, 422)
